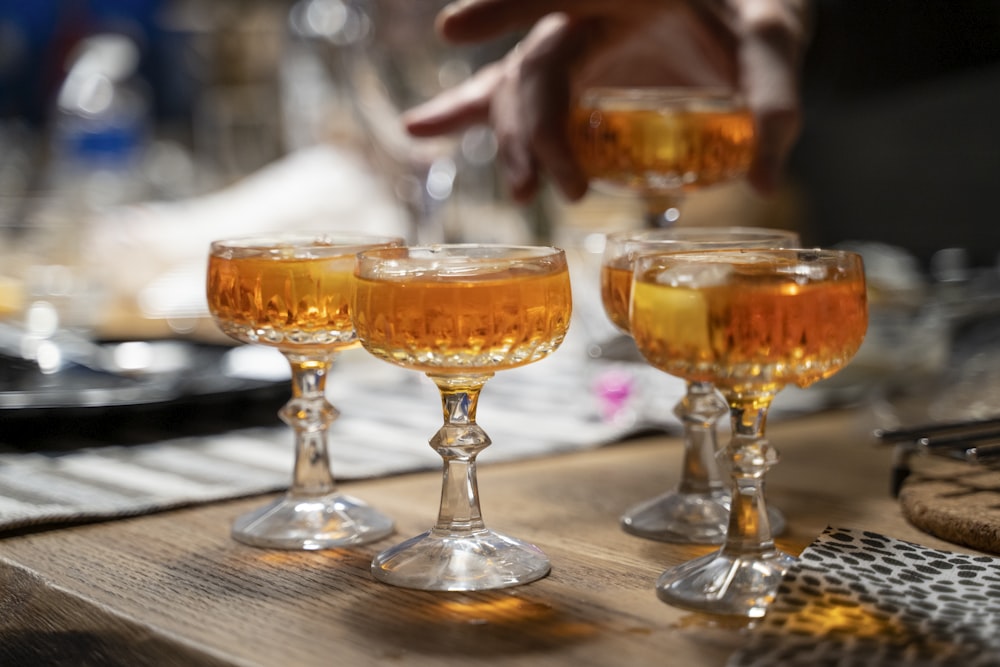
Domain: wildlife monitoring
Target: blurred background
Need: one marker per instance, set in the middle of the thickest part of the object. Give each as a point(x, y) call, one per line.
point(132, 132)
point(900, 143)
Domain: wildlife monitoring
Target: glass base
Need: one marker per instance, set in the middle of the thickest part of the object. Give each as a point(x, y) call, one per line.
point(688, 518)
point(326, 522)
point(441, 561)
point(726, 584)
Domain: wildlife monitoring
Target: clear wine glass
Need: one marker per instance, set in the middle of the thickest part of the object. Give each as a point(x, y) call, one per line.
point(696, 511)
point(460, 313)
point(661, 143)
point(292, 292)
point(750, 322)
point(400, 62)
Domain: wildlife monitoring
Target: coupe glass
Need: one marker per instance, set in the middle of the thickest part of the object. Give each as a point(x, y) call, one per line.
point(696, 511)
point(460, 313)
point(751, 322)
point(662, 143)
point(292, 292)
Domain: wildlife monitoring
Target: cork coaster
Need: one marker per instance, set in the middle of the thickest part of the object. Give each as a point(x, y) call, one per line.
point(955, 501)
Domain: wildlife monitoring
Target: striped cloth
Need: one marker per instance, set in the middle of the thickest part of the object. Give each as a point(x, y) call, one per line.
point(387, 416)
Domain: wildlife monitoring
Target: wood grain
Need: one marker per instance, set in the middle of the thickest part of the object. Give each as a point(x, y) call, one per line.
point(173, 588)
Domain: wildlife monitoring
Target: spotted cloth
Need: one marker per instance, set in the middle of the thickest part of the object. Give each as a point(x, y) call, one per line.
point(862, 599)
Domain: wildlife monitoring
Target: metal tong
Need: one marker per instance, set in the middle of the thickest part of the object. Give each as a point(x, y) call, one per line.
point(972, 441)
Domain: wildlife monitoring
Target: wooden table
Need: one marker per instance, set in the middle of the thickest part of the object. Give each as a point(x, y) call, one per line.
point(174, 589)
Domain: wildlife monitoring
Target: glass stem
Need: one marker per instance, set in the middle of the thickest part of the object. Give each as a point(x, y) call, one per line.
point(662, 210)
point(750, 457)
point(458, 442)
point(698, 412)
point(428, 210)
point(310, 414)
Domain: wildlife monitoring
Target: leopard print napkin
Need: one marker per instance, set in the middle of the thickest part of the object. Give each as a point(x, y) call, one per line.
point(862, 599)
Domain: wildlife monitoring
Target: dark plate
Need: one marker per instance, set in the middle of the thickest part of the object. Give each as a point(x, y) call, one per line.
point(165, 389)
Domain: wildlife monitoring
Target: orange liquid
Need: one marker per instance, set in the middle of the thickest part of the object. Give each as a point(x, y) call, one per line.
point(752, 334)
point(11, 296)
point(616, 291)
point(654, 151)
point(456, 324)
point(291, 303)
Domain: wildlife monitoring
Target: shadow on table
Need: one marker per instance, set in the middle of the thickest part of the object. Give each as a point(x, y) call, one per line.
point(92, 638)
point(473, 624)
point(82, 648)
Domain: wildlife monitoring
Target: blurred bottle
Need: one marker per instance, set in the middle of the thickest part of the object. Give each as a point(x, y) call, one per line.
point(99, 135)
point(101, 126)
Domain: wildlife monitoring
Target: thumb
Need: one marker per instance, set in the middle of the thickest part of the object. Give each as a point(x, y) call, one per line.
point(456, 108)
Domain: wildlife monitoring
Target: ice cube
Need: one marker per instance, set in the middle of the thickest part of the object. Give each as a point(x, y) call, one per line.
point(695, 275)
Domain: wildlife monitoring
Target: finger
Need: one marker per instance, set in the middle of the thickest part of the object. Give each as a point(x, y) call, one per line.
point(456, 108)
point(529, 113)
point(546, 81)
point(517, 164)
point(772, 40)
point(476, 20)
point(469, 21)
point(777, 132)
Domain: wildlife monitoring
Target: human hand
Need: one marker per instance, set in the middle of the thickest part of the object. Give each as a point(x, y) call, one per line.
point(754, 46)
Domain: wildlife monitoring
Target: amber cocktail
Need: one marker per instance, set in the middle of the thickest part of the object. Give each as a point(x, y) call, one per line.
point(662, 143)
point(460, 313)
point(293, 292)
point(750, 322)
point(697, 509)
